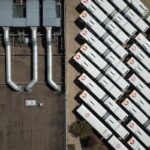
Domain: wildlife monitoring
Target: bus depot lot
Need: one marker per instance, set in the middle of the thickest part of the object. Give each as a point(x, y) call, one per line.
point(31, 128)
point(72, 30)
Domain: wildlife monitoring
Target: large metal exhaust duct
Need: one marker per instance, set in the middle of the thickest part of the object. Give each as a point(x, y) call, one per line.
point(35, 60)
point(9, 80)
point(50, 81)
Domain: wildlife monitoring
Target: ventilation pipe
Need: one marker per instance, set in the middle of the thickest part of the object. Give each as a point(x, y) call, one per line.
point(50, 81)
point(35, 60)
point(9, 80)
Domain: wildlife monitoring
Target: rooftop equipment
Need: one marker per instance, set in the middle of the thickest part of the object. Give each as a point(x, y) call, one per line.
point(35, 60)
point(49, 61)
point(9, 80)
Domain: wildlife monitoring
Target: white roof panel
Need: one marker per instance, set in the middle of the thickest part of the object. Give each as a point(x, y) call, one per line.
point(116, 144)
point(141, 39)
point(97, 44)
point(99, 14)
point(140, 86)
point(116, 126)
point(117, 63)
point(132, 126)
point(139, 69)
point(135, 145)
point(92, 86)
point(85, 64)
point(116, 47)
point(140, 55)
point(124, 23)
point(139, 6)
point(120, 81)
point(93, 56)
point(94, 122)
point(119, 4)
point(94, 25)
point(140, 101)
point(105, 5)
point(93, 104)
point(110, 87)
point(138, 114)
point(116, 109)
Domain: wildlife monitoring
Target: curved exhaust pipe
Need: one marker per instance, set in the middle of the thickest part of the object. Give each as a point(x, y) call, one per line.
point(35, 60)
point(50, 81)
point(9, 80)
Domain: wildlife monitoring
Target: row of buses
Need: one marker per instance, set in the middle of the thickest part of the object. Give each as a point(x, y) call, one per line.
point(114, 101)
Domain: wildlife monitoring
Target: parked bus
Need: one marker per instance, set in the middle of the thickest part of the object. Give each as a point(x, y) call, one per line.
point(117, 63)
point(110, 87)
point(141, 87)
point(140, 55)
point(141, 39)
point(135, 144)
point(139, 69)
point(97, 44)
point(140, 101)
point(86, 65)
point(139, 133)
point(134, 111)
point(92, 86)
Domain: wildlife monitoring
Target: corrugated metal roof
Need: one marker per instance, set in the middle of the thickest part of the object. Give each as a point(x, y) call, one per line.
point(32, 14)
point(49, 13)
point(6, 12)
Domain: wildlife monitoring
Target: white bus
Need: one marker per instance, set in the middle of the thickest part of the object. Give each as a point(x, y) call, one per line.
point(115, 46)
point(94, 25)
point(92, 86)
point(116, 109)
point(94, 122)
point(140, 86)
point(111, 104)
point(136, 20)
point(99, 14)
point(120, 4)
point(142, 136)
point(93, 104)
point(140, 55)
point(117, 63)
point(141, 39)
point(102, 64)
point(139, 6)
point(131, 15)
point(119, 80)
point(86, 65)
point(97, 44)
point(93, 8)
point(133, 110)
point(140, 101)
point(117, 127)
point(104, 4)
point(139, 69)
point(100, 31)
point(110, 87)
point(135, 144)
point(125, 24)
point(93, 56)
point(102, 112)
point(116, 144)
point(117, 32)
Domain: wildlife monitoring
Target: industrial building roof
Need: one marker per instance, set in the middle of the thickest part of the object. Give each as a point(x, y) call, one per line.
point(29, 15)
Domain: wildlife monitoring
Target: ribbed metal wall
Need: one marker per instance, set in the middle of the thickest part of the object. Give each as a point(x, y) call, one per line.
point(49, 14)
point(32, 14)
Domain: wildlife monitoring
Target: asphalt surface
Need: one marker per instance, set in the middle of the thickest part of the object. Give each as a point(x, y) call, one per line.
point(31, 128)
